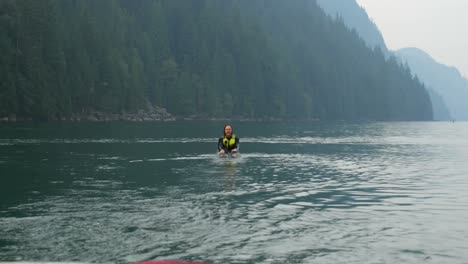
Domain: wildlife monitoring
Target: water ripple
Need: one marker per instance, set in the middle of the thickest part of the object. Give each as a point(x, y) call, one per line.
point(396, 196)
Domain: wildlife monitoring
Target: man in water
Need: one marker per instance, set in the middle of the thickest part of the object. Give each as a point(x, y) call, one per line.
point(229, 143)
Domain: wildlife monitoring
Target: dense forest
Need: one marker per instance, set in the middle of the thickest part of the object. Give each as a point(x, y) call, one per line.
point(355, 17)
point(203, 58)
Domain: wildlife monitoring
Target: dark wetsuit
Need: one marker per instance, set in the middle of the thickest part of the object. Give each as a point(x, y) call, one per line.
point(227, 149)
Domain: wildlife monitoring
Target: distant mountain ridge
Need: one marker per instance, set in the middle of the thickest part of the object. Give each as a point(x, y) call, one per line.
point(445, 80)
point(356, 17)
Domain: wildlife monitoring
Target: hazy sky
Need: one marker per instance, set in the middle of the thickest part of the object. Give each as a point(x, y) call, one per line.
point(439, 27)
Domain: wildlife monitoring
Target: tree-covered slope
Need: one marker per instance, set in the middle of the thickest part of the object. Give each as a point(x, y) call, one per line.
point(211, 58)
point(446, 81)
point(355, 17)
point(439, 107)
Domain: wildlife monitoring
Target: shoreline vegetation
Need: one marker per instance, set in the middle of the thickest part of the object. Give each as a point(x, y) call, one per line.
point(143, 116)
point(148, 114)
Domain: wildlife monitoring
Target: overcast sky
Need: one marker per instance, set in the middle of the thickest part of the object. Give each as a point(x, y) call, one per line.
point(439, 27)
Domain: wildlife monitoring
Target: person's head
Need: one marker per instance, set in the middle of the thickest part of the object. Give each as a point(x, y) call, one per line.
point(227, 130)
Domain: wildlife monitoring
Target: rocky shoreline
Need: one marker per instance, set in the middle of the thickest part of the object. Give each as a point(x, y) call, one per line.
point(156, 114)
point(152, 113)
point(143, 117)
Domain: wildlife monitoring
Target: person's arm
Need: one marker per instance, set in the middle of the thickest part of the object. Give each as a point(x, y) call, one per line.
point(236, 148)
point(220, 144)
point(221, 149)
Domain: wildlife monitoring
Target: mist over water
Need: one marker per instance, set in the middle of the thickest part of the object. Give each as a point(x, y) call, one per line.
point(299, 193)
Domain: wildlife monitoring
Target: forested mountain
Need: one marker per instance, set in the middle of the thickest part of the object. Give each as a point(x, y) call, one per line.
point(439, 107)
point(209, 58)
point(355, 17)
point(446, 81)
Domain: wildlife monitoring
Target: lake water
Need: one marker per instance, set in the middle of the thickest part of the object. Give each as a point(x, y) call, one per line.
point(299, 193)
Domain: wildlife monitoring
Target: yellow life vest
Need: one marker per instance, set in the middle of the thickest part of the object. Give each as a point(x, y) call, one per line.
point(229, 142)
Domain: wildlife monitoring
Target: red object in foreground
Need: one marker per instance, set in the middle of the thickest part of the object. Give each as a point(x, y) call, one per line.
point(171, 262)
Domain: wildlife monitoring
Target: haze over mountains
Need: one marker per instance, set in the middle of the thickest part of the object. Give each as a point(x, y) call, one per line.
point(445, 80)
point(446, 86)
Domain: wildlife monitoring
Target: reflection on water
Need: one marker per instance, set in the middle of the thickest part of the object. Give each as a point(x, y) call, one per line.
point(229, 175)
point(306, 193)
